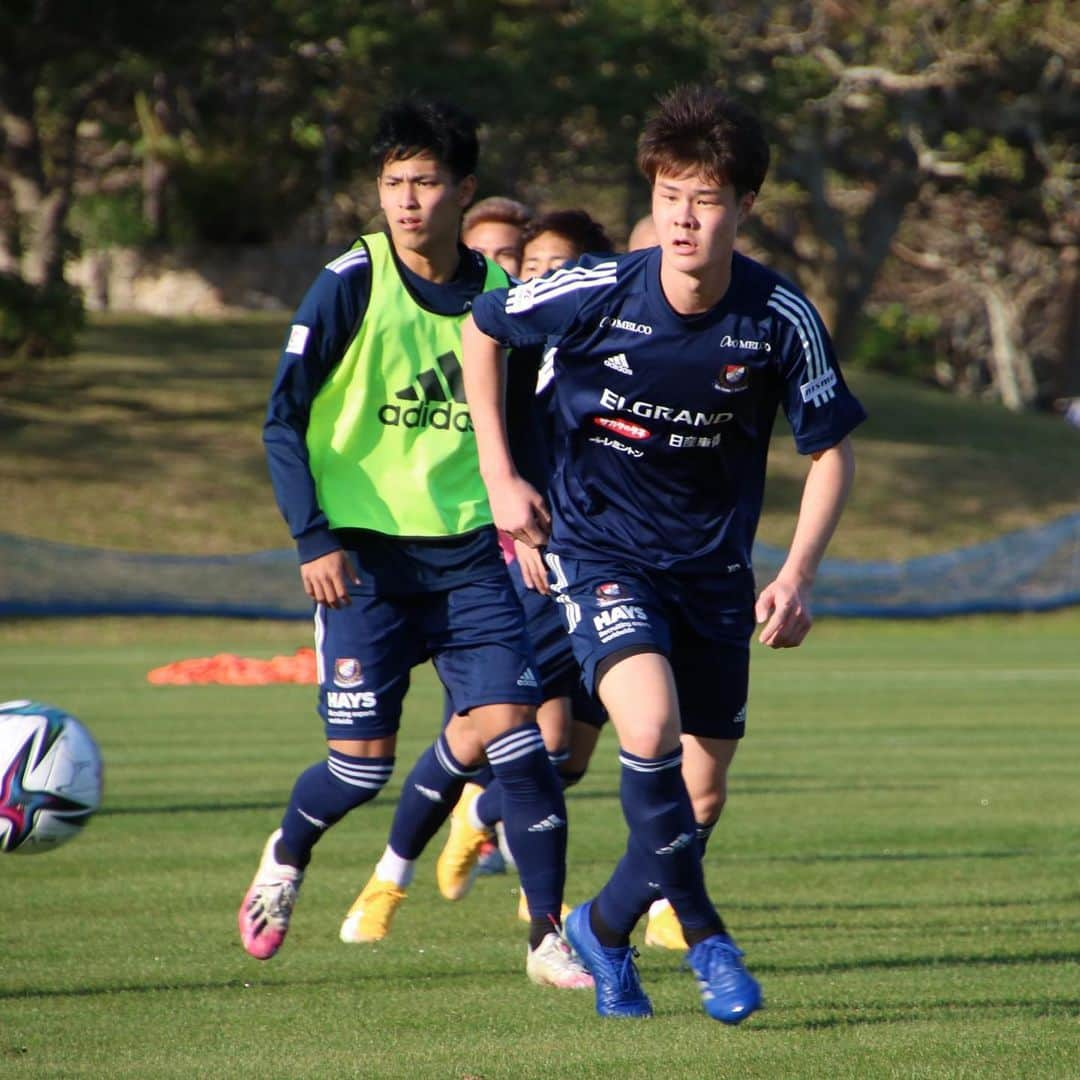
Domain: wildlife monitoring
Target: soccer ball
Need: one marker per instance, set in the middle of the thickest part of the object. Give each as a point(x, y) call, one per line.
point(50, 777)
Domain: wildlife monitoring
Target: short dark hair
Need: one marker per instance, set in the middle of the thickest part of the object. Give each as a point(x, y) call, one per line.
point(700, 127)
point(576, 225)
point(414, 126)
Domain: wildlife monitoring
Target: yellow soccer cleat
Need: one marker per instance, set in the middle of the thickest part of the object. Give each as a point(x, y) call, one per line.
point(523, 908)
point(663, 930)
point(372, 912)
point(456, 866)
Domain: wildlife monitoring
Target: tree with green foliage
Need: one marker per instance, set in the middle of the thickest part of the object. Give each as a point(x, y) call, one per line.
point(882, 113)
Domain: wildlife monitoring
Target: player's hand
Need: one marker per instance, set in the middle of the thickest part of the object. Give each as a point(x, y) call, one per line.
point(519, 511)
point(533, 568)
point(785, 610)
point(326, 579)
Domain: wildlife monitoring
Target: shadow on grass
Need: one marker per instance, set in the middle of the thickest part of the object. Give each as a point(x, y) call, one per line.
point(906, 963)
point(188, 808)
point(1036, 1010)
point(178, 379)
point(905, 905)
point(287, 984)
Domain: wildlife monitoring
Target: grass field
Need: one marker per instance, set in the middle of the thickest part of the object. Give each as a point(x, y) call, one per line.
point(900, 855)
point(900, 859)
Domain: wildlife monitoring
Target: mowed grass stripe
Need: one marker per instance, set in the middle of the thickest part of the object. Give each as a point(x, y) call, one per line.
point(898, 858)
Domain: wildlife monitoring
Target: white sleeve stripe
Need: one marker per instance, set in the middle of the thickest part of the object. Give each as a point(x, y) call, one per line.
point(798, 304)
point(815, 358)
point(808, 312)
point(525, 295)
point(348, 260)
point(821, 379)
point(563, 274)
point(525, 301)
point(781, 304)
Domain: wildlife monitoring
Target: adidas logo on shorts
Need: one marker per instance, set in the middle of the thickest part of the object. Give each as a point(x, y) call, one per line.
point(527, 678)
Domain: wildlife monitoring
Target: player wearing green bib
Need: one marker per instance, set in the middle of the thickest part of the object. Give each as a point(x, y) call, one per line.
point(373, 462)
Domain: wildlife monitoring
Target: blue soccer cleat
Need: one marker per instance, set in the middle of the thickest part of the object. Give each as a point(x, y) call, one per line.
point(618, 988)
point(729, 993)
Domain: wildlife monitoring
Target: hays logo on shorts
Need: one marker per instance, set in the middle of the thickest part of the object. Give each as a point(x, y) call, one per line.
point(348, 706)
point(732, 379)
point(348, 672)
point(621, 619)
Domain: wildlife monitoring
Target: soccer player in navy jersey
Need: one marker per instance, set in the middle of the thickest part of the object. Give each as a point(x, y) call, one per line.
point(669, 366)
point(373, 463)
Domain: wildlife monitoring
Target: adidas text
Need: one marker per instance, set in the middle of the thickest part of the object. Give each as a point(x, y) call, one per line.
point(436, 415)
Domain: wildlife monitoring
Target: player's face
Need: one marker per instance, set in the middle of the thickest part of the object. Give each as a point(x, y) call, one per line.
point(499, 241)
point(422, 202)
point(696, 220)
point(545, 252)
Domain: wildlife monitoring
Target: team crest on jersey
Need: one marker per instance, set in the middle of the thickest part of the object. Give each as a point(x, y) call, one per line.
point(733, 378)
point(611, 592)
point(348, 672)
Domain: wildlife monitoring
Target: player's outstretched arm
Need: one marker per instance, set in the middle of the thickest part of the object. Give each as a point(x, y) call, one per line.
point(784, 604)
point(517, 507)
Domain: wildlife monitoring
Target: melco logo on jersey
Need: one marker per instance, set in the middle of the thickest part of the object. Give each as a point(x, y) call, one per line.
point(749, 344)
point(614, 323)
point(433, 408)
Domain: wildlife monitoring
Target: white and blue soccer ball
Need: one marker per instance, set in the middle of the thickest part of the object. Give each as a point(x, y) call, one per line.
point(50, 777)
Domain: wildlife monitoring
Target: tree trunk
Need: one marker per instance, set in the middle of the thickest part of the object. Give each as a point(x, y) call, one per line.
point(1013, 374)
point(1068, 375)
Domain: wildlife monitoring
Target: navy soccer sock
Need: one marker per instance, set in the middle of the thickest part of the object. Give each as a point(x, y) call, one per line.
point(534, 818)
point(322, 796)
point(489, 809)
point(428, 795)
point(662, 852)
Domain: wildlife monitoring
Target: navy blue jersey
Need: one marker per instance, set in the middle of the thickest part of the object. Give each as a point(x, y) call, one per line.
point(661, 421)
point(327, 319)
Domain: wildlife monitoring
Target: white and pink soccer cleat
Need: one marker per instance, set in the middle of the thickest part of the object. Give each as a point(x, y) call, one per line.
point(268, 905)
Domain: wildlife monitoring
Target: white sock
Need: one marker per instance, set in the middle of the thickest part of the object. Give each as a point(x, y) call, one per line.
point(392, 867)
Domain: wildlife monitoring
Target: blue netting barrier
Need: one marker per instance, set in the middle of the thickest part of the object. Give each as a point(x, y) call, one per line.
point(1036, 569)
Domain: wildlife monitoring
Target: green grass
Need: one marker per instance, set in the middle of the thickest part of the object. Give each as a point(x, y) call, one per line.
point(899, 858)
point(149, 440)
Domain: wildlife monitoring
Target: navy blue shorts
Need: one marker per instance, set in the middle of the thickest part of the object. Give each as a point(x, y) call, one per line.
point(474, 633)
point(556, 665)
point(702, 624)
